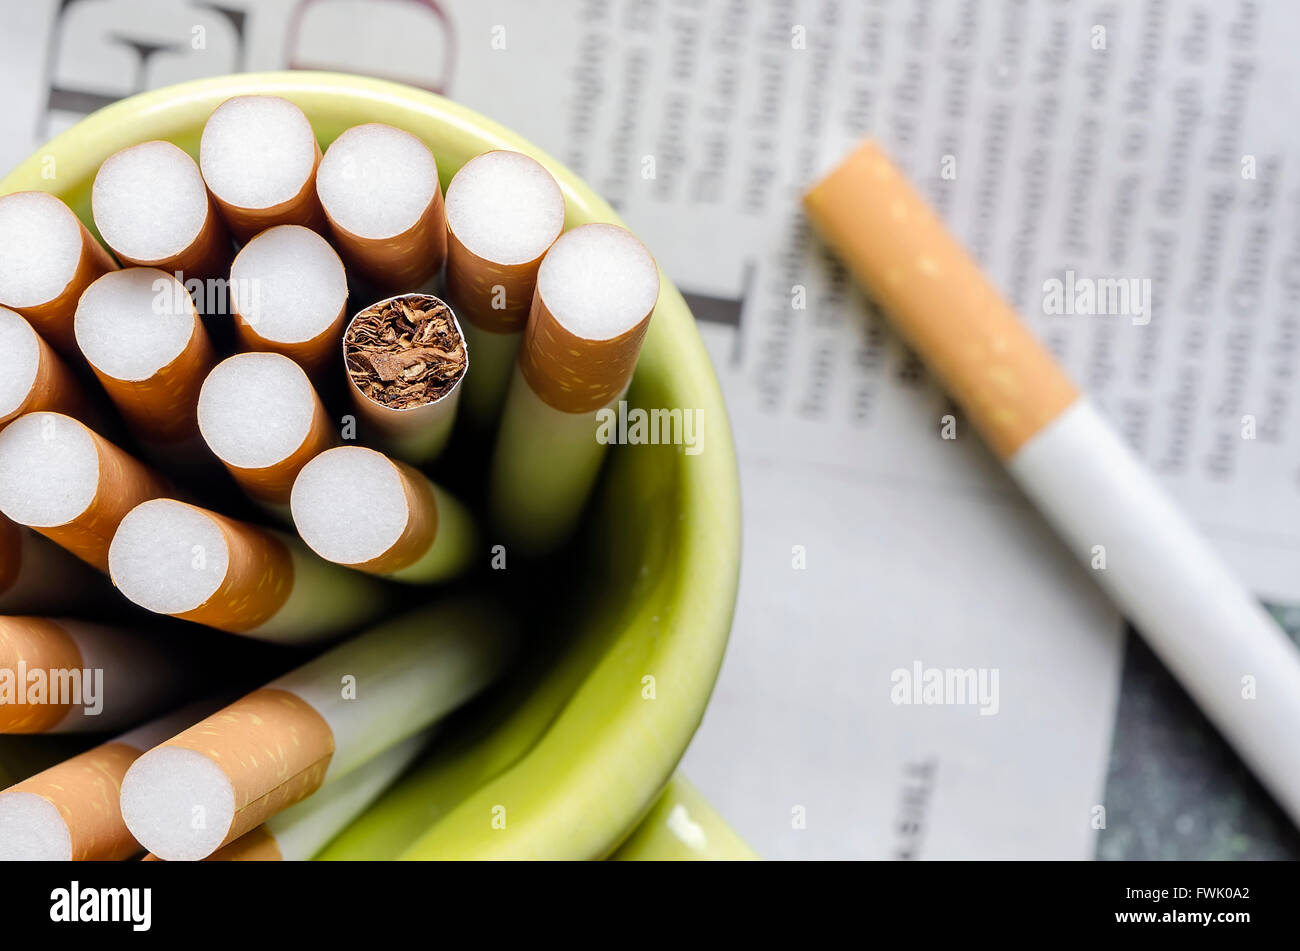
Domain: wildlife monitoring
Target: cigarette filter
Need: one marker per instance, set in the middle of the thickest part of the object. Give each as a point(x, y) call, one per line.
point(39, 577)
point(140, 332)
point(504, 211)
point(405, 359)
point(32, 377)
point(290, 296)
point(356, 507)
point(1160, 571)
point(70, 484)
point(302, 830)
point(47, 258)
point(177, 559)
point(71, 811)
point(258, 156)
point(278, 745)
point(65, 676)
point(596, 290)
point(153, 209)
point(380, 190)
point(260, 415)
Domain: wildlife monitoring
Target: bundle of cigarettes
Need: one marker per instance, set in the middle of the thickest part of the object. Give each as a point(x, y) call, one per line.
point(269, 476)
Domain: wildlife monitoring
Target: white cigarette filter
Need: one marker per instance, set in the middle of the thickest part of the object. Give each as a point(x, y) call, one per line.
point(38, 577)
point(301, 831)
point(290, 296)
point(356, 507)
point(47, 258)
point(258, 156)
point(260, 415)
point(33, 378)
point(278, 745)
point(596, 290)
point(380, 191)
point(406, 358)
point(72, 811)
point(64, 676)
point(177, 559)
point(70, 484)
point(152, 208)
point(1229, 654)
point(504, 211)
point(141, 333)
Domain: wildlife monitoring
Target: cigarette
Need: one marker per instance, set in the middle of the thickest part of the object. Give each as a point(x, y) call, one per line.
point(258, 156)
point(152, 208)
point(260, 415)
point(1161, 573)
point(63, 676)
point(356, 507)
point(380, 191)
point(405, 359)
point(39, 577)
point(177, 559)
point(70, 484)
point(504, 211)
point(290, 295)
point(278, 745)
point(47, 259)
point(32, 376)
point(301, 831)
point(71, 811)
point(596, 290)
point(141, 334)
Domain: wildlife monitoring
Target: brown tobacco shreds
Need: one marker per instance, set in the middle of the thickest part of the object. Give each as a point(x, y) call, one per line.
point(405, 352)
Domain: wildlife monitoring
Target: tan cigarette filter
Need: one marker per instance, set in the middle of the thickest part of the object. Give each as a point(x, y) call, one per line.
point(47, 259)
point(272, 747)
point(153, 209)
point(155, 385)
point(896, 246)
point(274, 484)
point(37, 379)
point(365, 173)
point(255, 151)
point(257, 845)
point(570, 372)
point(36, 644)
point(90, 467)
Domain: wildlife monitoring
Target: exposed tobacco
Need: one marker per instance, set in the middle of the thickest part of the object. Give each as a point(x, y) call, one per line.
point(405, 352)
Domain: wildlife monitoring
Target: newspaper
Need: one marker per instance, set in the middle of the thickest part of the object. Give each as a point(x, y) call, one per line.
point(1137, 147)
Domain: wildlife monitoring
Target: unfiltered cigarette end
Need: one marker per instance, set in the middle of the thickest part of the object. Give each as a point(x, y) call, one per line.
point(405, 352)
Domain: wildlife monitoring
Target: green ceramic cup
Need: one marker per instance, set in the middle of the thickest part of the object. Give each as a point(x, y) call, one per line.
point(578, 755)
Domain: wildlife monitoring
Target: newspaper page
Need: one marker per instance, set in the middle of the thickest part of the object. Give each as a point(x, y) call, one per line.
point(1139, 148)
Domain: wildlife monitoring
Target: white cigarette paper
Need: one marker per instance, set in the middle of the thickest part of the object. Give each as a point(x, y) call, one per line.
point(258, 156)
point(596, 290)
point(278, 745)
point(177, 559)
point(504, 211)
point(356, 507)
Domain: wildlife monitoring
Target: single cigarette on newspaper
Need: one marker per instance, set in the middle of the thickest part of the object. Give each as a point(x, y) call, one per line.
point(59, 675)
point(72, 485)
point(289, 293)
point(39, 577)
point(278, 745)
point(33, 378)
point(596, 290)
point(141, 334)
point(47, 258)
point(504, 211)
point(260, 415)
point(357, 507)
point(298, 833)
point(72, 811)
point(1162, 574)
point(258, 156)
point(177, 559)
point(405, 359)
point(380, 190)
point(153, 209)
